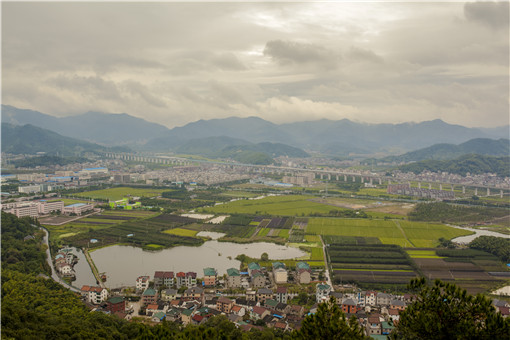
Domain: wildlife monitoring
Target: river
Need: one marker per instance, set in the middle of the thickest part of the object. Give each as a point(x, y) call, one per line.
point(123, 264)
point(478, 232)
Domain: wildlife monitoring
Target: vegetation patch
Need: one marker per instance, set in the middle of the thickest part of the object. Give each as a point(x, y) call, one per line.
point(118, 193)
point(181, 232)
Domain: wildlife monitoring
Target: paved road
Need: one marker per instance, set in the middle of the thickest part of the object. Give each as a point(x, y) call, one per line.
point(54, 275)
point(326, 262)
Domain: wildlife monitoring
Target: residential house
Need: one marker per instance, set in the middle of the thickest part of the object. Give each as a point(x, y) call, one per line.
point(210, 277)
point(263, 294)
point(349, 306)
point(233, 278)
point(281, 326)
point(297, 310)
point(253, 266)
point(258, 280)
point(251, 296)
point(191, 279)
point(64, 268)
point(397, 304)
point(142, 283)
point(163, 278)
point(370, 298)
point(383, 299)
point(173, 314)
point(116, 304)
point(94, 294)
point(198, 319)
point(259, 313)
point(158, 317)
point(303, 272)
point(386, 327)
point(238, 310)
point(186, 316)
point(337, 296)
point(394, 314)
point(168, 294)
point(180, 280)
point(224, 305)
point(282, 308)
point(149, 296)
point(194, 294)
point(271, 304)
point(151, 309)
point(281, 294)
point(374, 325)
point(360, 298)
point(322, 291)
point(279, 272)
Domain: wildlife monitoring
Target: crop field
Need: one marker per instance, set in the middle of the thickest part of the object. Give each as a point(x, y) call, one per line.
point(284, 233)
point(425, 235)
point(351, 240)
point(107, 219)
point(422, 254)
point(370, 265)
point(385, 230)
point(119, 193)
point(235, 230)
point(402, 233)
point(181, 232)
point(292, 205)
point(69, 201)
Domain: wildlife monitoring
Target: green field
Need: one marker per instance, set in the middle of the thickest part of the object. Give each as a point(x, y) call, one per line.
point(284, 233)
point(181, 232)
point(426, 235)
point(118, 193)
point(292, 205)
point(409, 234)
point(422, 254)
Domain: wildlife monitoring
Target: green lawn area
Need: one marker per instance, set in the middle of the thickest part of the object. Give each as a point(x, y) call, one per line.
point(290, 205)
point(181, 232)
point(69, 201)
point(119, 193)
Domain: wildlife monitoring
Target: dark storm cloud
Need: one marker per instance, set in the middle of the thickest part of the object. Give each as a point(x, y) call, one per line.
point(491, 14)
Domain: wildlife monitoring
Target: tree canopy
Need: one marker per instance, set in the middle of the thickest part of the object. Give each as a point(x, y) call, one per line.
point(445, 311)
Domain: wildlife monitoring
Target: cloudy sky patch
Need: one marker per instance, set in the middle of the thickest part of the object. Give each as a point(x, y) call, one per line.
point(174, 63)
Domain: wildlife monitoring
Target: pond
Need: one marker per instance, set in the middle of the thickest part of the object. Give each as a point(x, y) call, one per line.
point(123, 264)
point(84, 274)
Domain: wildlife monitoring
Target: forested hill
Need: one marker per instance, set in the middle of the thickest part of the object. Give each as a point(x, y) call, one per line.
point(474, 164)
point(29, 139)
point(35, 307)
point(444, 151)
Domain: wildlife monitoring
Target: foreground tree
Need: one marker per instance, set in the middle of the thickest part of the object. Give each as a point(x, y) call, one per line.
point(445, 311)
point(329, 323)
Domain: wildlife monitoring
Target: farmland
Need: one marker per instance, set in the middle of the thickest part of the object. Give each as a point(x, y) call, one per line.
point(292, 205)
point(370, 265)
point(403, 233)
point(118, 193)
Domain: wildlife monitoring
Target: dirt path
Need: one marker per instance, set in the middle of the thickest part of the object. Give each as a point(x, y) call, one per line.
point(94, 269)
point(326, 262)
point(403, 233)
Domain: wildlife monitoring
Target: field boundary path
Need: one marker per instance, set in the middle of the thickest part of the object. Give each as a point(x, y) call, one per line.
point(326, 262)
point(397, 223)
point(94, 269)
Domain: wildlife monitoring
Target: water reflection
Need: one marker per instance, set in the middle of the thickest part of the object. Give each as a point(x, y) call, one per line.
point(123, 264)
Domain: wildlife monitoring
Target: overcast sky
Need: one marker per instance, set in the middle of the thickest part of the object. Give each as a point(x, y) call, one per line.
point(175, 63)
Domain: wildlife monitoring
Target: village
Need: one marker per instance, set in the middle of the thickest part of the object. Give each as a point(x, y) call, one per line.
point(258, 297)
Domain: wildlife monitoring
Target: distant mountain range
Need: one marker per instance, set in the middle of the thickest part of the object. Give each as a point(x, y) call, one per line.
point(443, 151)
point(334, 138)
point(472, 163)
point(95, 127)
point(29, 139)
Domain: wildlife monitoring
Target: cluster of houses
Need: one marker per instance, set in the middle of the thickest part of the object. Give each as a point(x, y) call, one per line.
point(178, 298)
point(65, 261)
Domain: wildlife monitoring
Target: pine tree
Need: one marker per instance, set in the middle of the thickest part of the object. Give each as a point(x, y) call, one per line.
point(445, 311)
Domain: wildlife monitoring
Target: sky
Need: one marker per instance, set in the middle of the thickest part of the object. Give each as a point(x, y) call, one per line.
point(175, 63)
